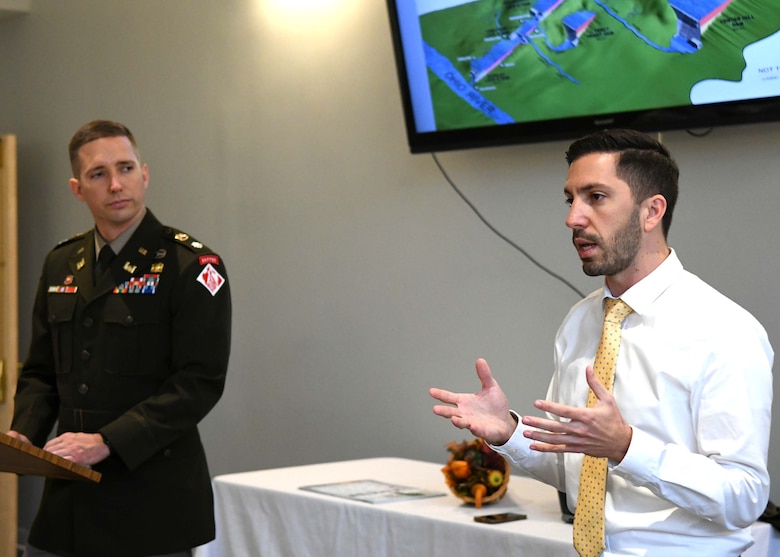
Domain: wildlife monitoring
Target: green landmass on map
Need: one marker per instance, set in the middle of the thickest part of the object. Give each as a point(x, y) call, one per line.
point(609, 58)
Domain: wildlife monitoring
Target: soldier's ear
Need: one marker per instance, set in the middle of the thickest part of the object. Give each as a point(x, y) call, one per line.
point(75, 187)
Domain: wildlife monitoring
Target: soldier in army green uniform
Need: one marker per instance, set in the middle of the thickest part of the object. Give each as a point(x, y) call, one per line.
point(128, 354)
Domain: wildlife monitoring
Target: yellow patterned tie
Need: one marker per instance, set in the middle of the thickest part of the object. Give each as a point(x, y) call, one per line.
point(589, 515)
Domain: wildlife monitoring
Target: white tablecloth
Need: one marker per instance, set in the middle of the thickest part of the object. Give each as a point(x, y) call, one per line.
point(266, 514)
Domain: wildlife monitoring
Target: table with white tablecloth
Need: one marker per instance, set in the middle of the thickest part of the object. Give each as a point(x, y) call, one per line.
point(265, 514)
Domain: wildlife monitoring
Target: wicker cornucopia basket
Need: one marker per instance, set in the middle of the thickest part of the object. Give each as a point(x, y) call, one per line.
point(476, 473)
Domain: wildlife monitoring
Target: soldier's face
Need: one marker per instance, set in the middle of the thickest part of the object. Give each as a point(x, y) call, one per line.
point(112, 182)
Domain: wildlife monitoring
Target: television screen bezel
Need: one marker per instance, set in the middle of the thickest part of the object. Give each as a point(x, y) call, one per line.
point(687, 117)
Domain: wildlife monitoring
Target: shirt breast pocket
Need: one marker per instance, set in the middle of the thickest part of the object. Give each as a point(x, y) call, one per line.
point(133, 335)
point(61, 311)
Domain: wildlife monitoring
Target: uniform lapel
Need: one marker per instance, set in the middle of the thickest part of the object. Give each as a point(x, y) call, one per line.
point(81, 263)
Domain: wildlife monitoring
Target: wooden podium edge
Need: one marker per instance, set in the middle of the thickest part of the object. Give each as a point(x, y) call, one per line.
point(17, 457)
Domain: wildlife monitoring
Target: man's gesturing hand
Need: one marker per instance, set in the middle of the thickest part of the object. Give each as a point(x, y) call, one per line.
point(599, 431)
point(485, 414)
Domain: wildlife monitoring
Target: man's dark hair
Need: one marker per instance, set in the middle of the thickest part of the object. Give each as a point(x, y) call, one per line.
point(643, 163)
point(97, 129)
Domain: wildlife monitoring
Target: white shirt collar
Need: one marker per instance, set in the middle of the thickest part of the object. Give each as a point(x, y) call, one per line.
point(646, 291)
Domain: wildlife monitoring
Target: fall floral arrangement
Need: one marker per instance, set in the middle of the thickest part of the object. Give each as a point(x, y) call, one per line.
point(475, 472)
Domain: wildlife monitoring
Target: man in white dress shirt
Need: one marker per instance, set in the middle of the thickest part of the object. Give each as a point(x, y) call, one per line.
point(686, 427)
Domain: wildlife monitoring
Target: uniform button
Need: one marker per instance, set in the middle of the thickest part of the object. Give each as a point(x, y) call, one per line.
point(129, 320)
point(85, 355)
point(83, 388)
point(87, 322)
point(167, 452)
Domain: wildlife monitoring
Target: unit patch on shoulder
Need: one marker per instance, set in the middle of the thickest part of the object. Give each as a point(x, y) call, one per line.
point(205, 259)
point(211, 279)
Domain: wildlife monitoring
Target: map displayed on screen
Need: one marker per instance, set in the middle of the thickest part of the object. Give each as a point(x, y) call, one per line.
point(488, 62)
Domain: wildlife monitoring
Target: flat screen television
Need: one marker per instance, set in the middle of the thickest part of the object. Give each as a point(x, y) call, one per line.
point(476, 73)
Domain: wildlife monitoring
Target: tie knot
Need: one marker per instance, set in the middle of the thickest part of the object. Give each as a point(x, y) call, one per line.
point(616, 310)
point(106, 256)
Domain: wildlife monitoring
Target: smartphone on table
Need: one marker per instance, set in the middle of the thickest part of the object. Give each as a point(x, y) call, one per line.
point(499, 518)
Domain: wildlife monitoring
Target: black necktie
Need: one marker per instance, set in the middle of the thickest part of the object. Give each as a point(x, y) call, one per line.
point(103, 262)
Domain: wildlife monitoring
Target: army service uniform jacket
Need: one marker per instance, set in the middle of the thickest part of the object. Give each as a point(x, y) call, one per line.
point(140, 357)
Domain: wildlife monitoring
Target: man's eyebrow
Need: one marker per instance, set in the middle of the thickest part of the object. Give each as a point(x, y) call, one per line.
point(94, 168)
point(588, 188)
point(104, 165)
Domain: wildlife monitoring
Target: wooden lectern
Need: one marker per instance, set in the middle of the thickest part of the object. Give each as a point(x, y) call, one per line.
point(17, 457)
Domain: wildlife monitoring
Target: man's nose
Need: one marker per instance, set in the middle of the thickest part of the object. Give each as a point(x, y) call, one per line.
point(576, 216)
point(115, 183)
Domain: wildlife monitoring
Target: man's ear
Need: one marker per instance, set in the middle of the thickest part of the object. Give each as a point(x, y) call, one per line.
point(75, 187)
point(145, 173)
point(654, 211)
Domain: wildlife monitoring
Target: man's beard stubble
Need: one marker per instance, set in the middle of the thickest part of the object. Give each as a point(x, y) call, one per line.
point(619, 253)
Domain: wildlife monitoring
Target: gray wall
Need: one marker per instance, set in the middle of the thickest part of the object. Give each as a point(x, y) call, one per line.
point(359, 278)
